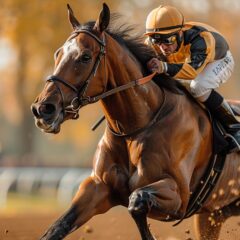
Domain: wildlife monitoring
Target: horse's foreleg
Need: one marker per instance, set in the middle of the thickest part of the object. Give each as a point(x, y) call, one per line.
point(161, 198)
point(138, 208)
point(92, 198)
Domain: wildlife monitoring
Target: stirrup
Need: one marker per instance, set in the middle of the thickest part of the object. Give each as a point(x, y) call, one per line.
point(235, 148)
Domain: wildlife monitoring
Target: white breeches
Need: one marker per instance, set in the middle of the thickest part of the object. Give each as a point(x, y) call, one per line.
point(212, 76)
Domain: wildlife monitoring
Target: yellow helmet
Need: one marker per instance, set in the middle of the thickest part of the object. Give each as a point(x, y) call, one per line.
point(164, 20)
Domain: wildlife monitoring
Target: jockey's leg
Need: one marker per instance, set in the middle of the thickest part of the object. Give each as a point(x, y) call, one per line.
point(158, 199)
point(202, 88)
point(223, 112)
point(221, 109)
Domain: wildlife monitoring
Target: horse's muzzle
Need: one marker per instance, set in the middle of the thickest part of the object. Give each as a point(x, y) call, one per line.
point(47, 117)
point(43, 110)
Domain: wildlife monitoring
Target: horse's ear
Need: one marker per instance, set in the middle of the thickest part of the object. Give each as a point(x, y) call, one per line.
point(103, 19)
point(72, 19)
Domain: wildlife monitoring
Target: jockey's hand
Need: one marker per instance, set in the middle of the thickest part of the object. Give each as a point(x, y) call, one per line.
point(155, 65)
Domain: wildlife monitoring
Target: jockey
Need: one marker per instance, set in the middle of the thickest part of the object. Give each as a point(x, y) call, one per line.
point(197, 52)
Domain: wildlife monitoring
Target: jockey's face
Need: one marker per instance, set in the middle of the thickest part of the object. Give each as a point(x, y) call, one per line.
point(166, 44)
point(167, 49)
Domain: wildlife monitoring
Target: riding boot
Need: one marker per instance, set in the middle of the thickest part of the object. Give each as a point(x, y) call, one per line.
point(222, 111)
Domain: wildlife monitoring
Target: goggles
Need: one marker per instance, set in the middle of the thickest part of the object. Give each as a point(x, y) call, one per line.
point(163, 39)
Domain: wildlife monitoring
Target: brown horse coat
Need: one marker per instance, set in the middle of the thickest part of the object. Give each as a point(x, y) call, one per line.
point(152, 172)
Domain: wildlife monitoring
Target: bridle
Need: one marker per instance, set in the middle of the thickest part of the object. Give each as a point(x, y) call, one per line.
point(80, 100)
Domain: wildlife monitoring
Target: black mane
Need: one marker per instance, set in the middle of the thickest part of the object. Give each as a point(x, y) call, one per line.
point(126, 36)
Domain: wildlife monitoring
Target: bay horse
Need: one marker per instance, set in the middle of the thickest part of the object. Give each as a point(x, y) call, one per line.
point(157, 142)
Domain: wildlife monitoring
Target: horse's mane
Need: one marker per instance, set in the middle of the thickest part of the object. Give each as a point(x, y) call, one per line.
point(126, 36)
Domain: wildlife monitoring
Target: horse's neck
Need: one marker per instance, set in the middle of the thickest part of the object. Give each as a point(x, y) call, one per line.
point(132, 108)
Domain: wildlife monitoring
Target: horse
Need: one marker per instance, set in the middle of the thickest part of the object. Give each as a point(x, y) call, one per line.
point(157, 142)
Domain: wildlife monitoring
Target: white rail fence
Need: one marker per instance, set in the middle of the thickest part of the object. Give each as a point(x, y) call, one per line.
point(60, 182)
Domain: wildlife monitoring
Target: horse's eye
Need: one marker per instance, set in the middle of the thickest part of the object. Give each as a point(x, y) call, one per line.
point(85, 58)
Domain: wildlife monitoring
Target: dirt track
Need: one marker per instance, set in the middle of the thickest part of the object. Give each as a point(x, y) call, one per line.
point(114, 225)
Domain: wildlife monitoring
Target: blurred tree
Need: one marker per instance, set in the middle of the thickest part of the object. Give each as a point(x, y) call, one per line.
point(35, 29)
point(27, 26)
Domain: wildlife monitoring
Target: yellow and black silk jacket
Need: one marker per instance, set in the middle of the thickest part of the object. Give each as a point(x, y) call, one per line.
point(201, 44)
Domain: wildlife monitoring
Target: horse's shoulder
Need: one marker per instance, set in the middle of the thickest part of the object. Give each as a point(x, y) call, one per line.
point(108, 151)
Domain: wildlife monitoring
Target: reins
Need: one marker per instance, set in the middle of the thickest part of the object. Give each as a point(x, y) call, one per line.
point(121, 88)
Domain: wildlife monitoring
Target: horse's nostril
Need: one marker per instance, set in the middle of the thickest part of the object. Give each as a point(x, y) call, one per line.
point(35, 111)
point(47, 109)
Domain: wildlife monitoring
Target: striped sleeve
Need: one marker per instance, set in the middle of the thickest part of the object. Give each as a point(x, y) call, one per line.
point(202, 51)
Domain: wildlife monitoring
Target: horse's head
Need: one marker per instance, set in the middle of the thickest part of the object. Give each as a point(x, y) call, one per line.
point(77, 62)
